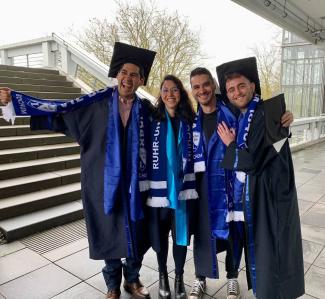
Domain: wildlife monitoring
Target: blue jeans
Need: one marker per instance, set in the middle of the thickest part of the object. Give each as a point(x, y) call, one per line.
point(112, 271)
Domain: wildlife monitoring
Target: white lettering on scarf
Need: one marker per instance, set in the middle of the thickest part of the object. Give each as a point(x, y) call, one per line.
point(155, 148)
point(21, 104)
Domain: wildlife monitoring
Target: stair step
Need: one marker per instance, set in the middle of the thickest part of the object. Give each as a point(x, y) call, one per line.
point(28, 70)
point(24, 225)
point(20, 120)
point(28, 202)
point(18, 169)
point(32, 140)
point(36, 182)
point(53, 95)
point(18, 130)
point(44, 82)
point(38, 152)
point(31, 75)
point(44, 88)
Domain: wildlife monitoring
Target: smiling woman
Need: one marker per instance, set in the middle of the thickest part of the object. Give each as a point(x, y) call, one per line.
point(172, 181)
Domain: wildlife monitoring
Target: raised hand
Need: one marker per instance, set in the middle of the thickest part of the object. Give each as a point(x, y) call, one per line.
point(226, 135)
point(5, 95)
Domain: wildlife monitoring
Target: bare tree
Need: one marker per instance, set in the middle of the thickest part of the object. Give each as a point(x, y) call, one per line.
point(143, 25)
point(269, 66)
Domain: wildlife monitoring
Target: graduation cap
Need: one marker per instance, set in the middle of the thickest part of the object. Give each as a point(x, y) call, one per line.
point(246, 67)
point(124, 53)
point(274, 108)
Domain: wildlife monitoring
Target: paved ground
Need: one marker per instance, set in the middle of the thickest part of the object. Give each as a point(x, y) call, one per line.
point(55, 264)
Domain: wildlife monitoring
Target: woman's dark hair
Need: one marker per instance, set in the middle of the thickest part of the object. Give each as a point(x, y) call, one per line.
point(184, 109)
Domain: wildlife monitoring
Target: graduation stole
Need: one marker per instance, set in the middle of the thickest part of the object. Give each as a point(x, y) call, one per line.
point(24, 105)
point(235, 212)
point(136, 135)
point(158, 196)
point(198, 146)
point(221, 191)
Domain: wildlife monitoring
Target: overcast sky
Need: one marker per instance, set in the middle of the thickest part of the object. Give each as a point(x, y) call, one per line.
point(228, 31)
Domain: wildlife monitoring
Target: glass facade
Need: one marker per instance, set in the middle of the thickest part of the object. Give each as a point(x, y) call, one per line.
point(303, 76)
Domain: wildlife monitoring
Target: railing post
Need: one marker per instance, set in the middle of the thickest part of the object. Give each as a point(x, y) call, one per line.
point(68, 65)
point(48, 54)
point(4, 57)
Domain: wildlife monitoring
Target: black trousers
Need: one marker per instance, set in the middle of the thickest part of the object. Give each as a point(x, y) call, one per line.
point(167, 224)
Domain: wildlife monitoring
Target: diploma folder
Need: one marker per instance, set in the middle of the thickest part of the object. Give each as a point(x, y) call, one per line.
point(274, 108)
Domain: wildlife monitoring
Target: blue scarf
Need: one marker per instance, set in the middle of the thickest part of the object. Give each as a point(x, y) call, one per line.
point(27, 105)
point(113, 162)
point(168, 161)
point(241, 183)
point(220, 190)
point(235, 211)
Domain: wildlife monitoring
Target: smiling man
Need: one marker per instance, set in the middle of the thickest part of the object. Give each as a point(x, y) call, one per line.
point(264, 186)
point(216, 213)
point(110, 127)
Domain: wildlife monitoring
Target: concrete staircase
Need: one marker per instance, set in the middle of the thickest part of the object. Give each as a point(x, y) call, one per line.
point(39, 170)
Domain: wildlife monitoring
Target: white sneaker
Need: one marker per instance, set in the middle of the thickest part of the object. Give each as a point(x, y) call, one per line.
point(198, 289)
point(233, 291)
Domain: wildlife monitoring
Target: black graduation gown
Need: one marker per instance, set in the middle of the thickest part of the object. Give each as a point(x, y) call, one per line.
point(107, 234)
point(205, 246)
point(275, 216)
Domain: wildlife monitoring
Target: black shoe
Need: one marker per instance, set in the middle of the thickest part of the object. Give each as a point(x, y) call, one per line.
point(164, 289)
point(180, 292)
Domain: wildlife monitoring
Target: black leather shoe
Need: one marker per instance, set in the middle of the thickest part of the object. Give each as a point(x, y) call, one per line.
point(164, 289)
point(180, 292)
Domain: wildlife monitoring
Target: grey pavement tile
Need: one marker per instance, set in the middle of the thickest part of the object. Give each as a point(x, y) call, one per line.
point(81, 265)
point(314, 282)
point(301, 177)
point(307, 297)
point(10, 248)
point(313, 233)
point(148, 276)
point(245, 293)
point(310, 192)
point(320, 261)
point(311, 251)
point(39, 284)
point(19, 263)
point(309, 170)
point(66, 250)
point(322, 200)
point(306, 267)
point(80, 291)
point(304, 206)
point(98, 282)
point(315, 216)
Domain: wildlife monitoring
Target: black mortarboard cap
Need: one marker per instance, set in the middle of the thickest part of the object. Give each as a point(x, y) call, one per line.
point(274, 108)
point(246, 67)
point(124, 53)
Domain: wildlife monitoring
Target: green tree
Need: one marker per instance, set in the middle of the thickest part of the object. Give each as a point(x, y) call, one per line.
point(268, 58)
point(143, 25)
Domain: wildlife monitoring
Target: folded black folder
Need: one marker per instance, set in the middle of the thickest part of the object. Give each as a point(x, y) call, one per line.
point(274, 108)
